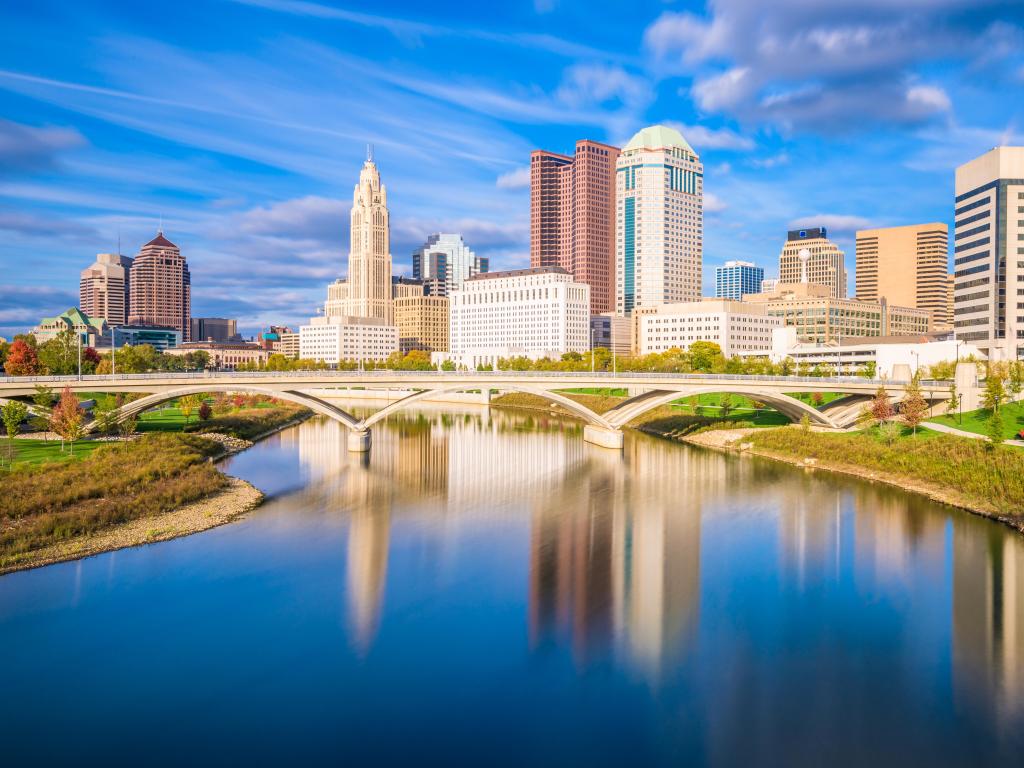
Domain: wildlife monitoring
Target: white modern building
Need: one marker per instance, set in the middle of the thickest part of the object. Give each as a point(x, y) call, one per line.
point(659, 194)
point(738, 328)
point(341, 337)
point(444, 262)
point(988, 253)
point(536, 313)
point(894, 356)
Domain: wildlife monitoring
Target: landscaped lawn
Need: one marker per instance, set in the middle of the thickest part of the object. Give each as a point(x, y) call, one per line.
point(38, 451)
point(977, 421)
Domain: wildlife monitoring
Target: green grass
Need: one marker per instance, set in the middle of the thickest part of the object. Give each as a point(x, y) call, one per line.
point(29, 452)
point(984, 478)
point(977, 421)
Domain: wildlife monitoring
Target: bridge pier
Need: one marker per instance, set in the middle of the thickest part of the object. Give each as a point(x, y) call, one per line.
point(359, 442)
point(606, 438)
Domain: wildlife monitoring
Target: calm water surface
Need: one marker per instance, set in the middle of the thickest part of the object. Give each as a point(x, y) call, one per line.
point(485, 588)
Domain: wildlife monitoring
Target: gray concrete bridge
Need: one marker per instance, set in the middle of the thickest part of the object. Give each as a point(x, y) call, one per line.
point(313, 389)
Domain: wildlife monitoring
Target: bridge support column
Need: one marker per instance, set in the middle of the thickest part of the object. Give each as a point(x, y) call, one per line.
point(359, 441)
point(606, 438)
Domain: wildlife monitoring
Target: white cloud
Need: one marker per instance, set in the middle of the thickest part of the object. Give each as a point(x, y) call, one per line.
point(713, 203)
point(836, 224)
point(28, 148)
point(929, 98)
point(702, 137)
point(515, 179)
point(771, 161)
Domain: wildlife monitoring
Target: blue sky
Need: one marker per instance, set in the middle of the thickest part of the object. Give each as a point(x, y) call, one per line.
point(243, 123)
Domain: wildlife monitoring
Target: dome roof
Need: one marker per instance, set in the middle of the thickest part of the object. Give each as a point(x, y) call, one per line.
point(658, 137)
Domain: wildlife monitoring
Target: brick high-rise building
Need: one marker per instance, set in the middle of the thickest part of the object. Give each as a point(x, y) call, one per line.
point(572, 216)
point(104, 288)
point(161, 287)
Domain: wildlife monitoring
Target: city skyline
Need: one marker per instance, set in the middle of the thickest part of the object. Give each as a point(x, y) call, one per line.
point(101, 142)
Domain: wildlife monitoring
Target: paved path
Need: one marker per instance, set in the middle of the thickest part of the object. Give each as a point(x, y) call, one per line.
point(962, 433)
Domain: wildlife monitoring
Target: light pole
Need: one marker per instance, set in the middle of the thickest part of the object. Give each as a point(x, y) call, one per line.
point(960, 407)
point(79, 356)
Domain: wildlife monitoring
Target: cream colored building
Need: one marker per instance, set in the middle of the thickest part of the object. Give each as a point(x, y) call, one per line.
point(810, 257)
point(367, 292)
point(737, 327)
point(906, 266)
point(422, 323)
point(659, 230)
point(950, 286)
point(225, 356)
point(288, 345)
point(988, 253)
point(335, 339)
point(820, 317)
point(104, 288)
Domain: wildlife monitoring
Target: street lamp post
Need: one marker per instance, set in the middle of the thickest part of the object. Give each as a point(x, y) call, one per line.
point(79, 356)
point(960, 407)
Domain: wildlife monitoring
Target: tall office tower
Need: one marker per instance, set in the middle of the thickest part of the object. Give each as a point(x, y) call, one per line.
point(950, 292)
point(367, 290)
point(988, 253)
point(905, 265)
point(810, 257)
point(659, 194)
point(104, 288)
point(572, 216)
point(443, 262)
point(161, 287)
point(736, 278)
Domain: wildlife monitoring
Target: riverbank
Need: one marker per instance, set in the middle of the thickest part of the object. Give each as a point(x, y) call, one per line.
point(153, 487)
point(951, 470)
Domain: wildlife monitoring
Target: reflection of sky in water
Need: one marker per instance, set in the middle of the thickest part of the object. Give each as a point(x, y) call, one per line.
point(488, 587)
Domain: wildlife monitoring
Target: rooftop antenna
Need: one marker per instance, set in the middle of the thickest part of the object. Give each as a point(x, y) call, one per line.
point(369, 153)
point(160, 231)
point(118, 239)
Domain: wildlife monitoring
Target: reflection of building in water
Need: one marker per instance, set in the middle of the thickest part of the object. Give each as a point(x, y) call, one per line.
point(889, 528)
point(366, 572)
point(616, 555)
point(988, 615)
point(421, 463)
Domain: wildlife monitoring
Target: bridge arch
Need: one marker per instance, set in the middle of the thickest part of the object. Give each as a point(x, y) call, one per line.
point(566, 402)
point(786, 405)
point(136, 407)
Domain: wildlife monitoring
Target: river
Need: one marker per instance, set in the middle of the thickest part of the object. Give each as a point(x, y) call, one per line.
point(484, 587)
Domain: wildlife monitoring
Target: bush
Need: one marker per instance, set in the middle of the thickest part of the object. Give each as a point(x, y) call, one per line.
point(250, 423)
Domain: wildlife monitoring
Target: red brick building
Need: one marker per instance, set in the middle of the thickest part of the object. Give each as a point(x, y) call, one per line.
point(161, 287)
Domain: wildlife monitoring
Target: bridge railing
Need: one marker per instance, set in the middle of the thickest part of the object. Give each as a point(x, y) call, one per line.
point(469, 376)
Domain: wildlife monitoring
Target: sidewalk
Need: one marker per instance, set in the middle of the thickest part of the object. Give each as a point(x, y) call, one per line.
point(961, 433)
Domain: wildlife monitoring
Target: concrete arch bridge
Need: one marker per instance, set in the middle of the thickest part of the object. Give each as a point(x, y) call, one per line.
point(313, 389)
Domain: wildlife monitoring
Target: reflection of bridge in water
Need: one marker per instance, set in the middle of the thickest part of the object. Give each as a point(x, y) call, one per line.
point(647, 391)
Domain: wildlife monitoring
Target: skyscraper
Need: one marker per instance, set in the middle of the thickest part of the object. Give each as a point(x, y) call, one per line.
point(810, 257)
point(736, 278)
point(659, 220)
point(905, 265)
point(444, 262)
point(988, 253)
point(161, 287)
point(104, 288)
point(572, 216)
point(367, 290)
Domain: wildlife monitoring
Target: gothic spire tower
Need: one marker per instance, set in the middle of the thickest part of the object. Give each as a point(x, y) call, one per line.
point(369, 256)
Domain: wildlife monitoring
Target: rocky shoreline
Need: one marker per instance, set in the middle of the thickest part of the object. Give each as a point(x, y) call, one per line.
point(734, 440)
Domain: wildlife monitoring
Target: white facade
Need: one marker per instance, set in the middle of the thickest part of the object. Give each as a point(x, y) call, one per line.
point(738, 328)
point(659, 230)
point(890, 357)
point(988, 253)
point(334, 339)
point(536, 313)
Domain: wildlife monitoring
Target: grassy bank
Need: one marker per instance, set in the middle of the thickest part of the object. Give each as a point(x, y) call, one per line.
point(251, 423)
point(957, 470)
point(977, 421)
point(114, 484)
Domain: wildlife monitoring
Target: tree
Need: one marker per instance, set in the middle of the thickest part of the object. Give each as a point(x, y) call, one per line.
point(105, 413)
point(22, 359)
point(725, 405)
point(954, 400)
point(188, 405)
point(13, 413)
point(67, 419)
point(43, 399)
point(205, 411)
point(889, 431)
point(881, 406)
point(915, 407)
point(995, 393)
point(994, 429)
point(870, 369)
point(447, 365)
point(59, 355)
point(704, 355)
point(1016, 382)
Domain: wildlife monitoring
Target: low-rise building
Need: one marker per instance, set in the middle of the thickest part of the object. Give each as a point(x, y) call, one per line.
point(422, 323)
point(160, 337)
point(334, 339)
point(271, 338)
point(288, 344)
point(820, 317)
point(535, 313)
point(90, 330)
point(737, 327)
point(893, 356)
point(219, 329)
point(612, 332)
point(224, 356)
